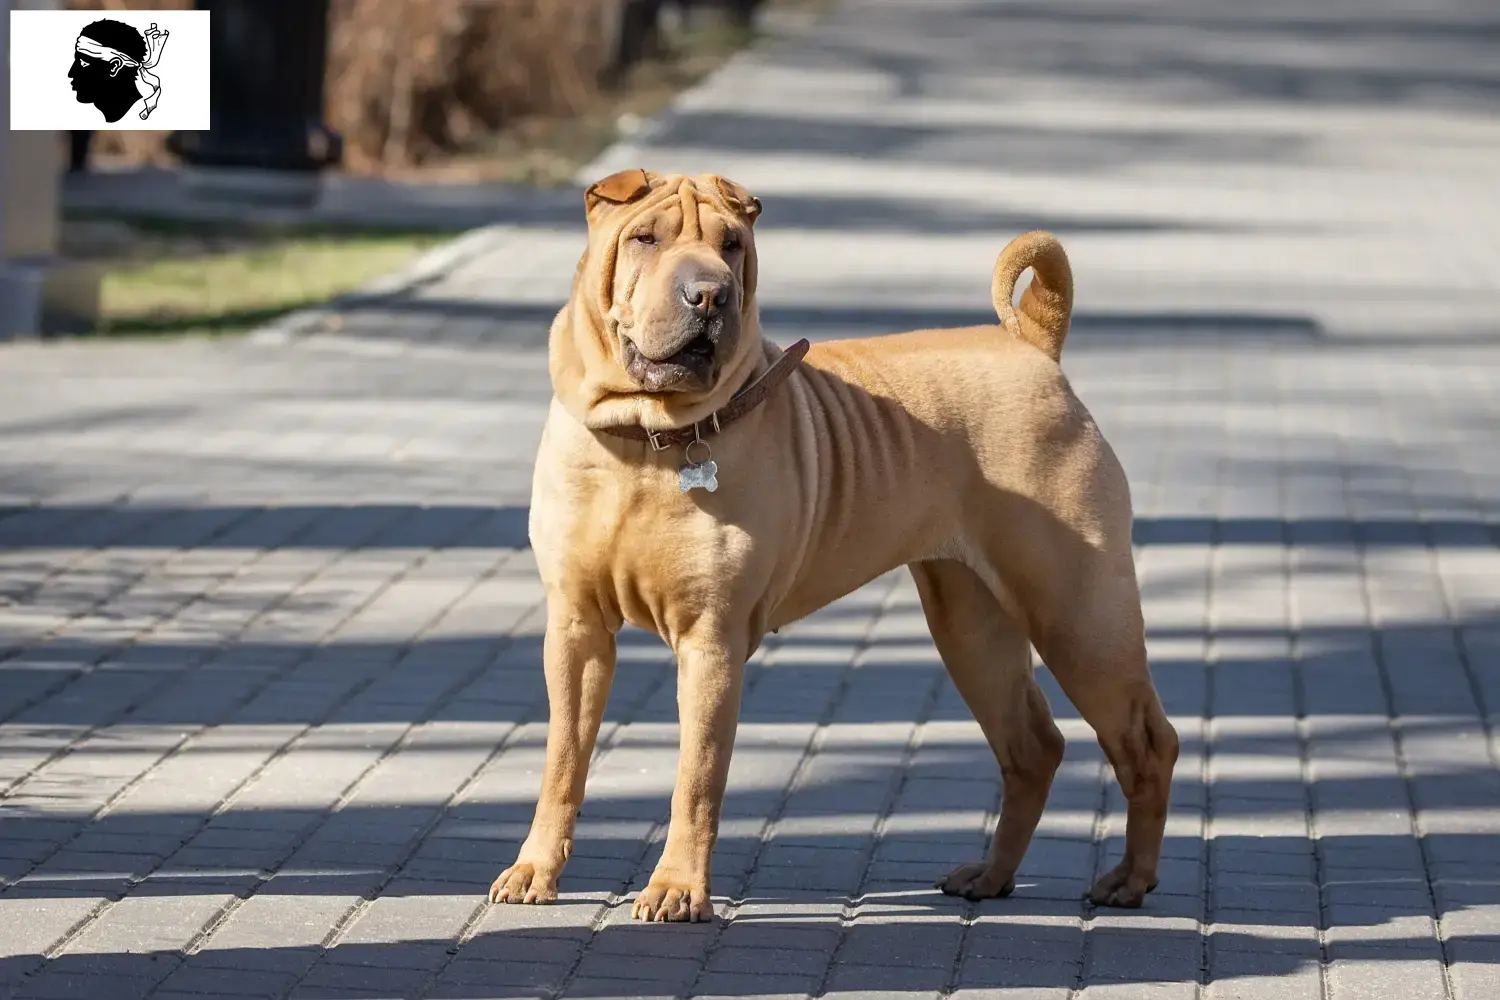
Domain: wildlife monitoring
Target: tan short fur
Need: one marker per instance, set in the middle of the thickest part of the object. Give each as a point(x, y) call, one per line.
point(963, 454)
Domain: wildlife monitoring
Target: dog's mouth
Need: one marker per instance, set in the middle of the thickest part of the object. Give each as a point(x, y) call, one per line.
point(688, 369)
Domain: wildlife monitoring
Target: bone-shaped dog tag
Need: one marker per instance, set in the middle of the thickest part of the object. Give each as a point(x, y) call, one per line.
point(698, 475)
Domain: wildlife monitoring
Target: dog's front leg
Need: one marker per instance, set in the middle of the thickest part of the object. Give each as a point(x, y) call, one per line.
point(709, 670)
point(578, 656)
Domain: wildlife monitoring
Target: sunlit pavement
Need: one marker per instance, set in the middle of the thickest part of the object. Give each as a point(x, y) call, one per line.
point(271, 707)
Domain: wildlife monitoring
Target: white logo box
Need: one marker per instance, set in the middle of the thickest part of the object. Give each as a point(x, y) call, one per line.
point(44, 47)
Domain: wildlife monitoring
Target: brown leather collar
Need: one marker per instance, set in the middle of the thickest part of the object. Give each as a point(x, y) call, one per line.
point(740, 404)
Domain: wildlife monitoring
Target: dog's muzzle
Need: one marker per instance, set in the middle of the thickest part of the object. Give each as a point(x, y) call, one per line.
point(689, 368)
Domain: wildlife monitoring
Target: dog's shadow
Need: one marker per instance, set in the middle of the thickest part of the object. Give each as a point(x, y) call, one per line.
point(921, 942)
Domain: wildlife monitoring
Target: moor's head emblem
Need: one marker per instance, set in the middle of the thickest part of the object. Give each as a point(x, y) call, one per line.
point(112, 64)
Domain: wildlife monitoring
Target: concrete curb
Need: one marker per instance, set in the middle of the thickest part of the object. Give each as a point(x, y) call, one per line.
point(427, 268)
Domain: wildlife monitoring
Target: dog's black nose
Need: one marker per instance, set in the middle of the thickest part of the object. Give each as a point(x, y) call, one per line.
point(706, 297)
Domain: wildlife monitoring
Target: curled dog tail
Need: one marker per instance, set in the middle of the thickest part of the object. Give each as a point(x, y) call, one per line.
point(1042, 317)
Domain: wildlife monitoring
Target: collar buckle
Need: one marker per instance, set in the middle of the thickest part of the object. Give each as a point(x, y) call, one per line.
point(660, 442)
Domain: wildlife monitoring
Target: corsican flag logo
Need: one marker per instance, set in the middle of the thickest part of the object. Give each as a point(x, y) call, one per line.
point(84, 70)
point(112, 64)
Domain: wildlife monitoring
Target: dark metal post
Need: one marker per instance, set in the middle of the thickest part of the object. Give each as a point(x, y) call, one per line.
point(78, 151)
point(742, 12)
point(637, 34)
point(266, 74)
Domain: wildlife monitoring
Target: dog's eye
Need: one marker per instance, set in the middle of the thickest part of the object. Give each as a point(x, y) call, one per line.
point(645, 239)
point(731, 243)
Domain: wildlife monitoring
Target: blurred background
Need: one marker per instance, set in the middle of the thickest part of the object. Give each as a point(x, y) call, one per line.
point(514, 90)
point(364, 133)
point(455, 93)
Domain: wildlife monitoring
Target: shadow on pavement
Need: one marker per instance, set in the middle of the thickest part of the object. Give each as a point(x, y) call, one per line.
point(1214, 54)
point(459, 526)
point(486, 323)
point(1014, 944)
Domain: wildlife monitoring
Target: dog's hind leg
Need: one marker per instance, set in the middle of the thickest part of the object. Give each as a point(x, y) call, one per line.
point(989, 659)
point(1096, 648)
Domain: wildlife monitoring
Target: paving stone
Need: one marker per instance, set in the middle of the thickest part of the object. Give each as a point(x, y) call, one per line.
point(290, 961)
point(900, 942)
point(1472, 980)
point(230, 982)
point(361, 977)
point(883, 980)
point(982, 974)
point(1139, 991)
point(63, 986)
point(1303, 985)
point(790, 935)
point(759, 962)
point(724, 985)
point(466, 972)
point(1144, 957)
point(1008, 993)
point(1376, 976)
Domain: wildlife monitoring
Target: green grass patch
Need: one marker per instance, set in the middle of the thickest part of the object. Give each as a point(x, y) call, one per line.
point(181, 278)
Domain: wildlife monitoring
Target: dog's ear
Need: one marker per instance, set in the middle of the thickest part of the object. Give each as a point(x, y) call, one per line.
point(616, 189)
point(739, 198)
point(748, 206)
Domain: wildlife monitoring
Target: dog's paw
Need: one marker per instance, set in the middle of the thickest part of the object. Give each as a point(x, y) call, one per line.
point(672, 900)
point(1121, 888)
point(977, 882)
point(524, 882)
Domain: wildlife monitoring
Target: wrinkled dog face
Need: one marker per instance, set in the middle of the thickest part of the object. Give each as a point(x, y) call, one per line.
point(678, 268)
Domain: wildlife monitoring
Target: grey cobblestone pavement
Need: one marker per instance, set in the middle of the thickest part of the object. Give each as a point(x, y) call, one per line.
point(270, 698)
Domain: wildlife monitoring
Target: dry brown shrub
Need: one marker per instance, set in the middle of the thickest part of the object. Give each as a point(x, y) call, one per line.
point(409, 80)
